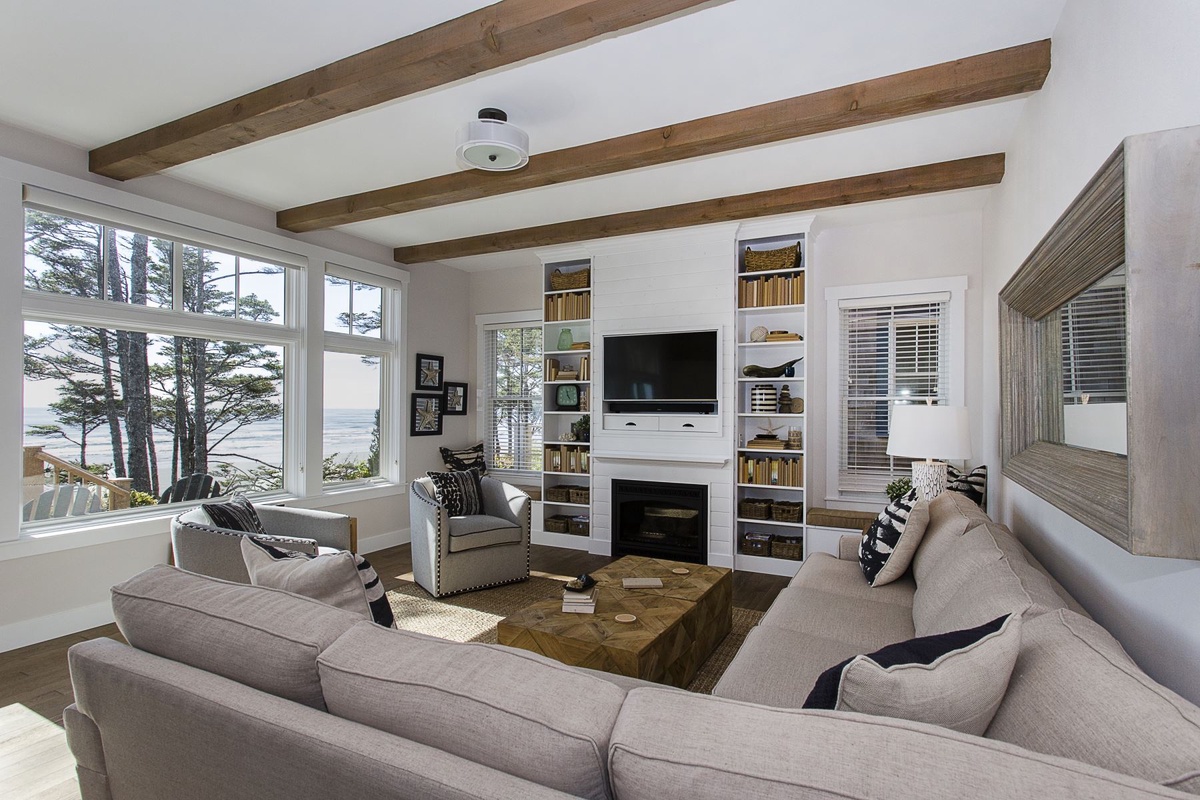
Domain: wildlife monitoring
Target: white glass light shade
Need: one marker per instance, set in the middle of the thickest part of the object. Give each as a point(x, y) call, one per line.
point(923, 431)
point(492, 145)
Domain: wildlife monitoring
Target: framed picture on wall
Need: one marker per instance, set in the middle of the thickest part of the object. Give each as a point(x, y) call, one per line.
point(456, 399)
point(429, 373)
point(426, 415)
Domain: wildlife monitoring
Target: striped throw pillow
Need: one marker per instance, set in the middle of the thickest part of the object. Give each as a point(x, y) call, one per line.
point(459, 492)
point(467, 458)
point(236, 514)
point(973, 484)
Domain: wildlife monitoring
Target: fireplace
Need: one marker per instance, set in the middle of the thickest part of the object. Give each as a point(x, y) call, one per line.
point(660, 520)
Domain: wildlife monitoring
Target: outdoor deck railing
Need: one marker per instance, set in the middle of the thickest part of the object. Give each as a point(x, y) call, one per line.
point(114, 493)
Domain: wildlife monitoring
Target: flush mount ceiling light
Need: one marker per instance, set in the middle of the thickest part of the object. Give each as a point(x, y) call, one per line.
point(491, 143)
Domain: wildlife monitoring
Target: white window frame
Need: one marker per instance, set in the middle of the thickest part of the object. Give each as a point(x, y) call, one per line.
point(881, 294)
point(391, 375)
point(483, 323)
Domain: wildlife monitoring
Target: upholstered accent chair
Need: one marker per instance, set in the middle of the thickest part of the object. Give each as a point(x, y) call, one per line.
point(200, 546)
point(458, 554)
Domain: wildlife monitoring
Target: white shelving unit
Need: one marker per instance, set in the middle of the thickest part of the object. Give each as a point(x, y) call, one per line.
point(566, 461)
point(774, 300)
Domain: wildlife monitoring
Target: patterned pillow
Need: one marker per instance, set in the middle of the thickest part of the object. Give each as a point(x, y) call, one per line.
point(956, 680)
point(325, 578)
point(888, 545)
point(460, 492)
point(468, 458)
point(973, 484)
point(236, 514)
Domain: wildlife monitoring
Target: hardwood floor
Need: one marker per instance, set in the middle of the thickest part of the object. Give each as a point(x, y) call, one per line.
point(35, 685)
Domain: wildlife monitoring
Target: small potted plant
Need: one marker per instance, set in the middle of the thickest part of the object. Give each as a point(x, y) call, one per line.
point(582, 429)
point(898, 488)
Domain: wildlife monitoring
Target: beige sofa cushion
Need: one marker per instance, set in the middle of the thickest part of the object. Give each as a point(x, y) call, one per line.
point(721, 749)
point(825, 573)
point(971, 585)
point(1075, 693)
point(959, 689)
point(264, 638)
point(778, 667)
point(1017, 554)
point(951, 514)
point(504, 708)
point(863, 623)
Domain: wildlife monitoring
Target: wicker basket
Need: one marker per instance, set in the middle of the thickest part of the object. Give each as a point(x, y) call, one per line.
point(578, 279)
point(559, 523)
point(787, 511)
point(558, 494)
point(581, 494)
point(754, 544)
point(754, 508)
point(762, 260)
point(789, 547)
point(580, 525)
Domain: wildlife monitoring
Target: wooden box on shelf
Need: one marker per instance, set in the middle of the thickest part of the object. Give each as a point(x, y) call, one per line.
point(753, 543)
point(787, 511)
point(558, 523)
point(754, 508)
point(789, 547)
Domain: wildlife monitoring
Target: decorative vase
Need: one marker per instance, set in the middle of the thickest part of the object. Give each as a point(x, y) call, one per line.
point(763, 399)
point(565, 339)
point(755, 371)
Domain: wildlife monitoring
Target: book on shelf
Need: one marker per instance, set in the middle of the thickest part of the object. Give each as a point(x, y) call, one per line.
point(568, 306)
point(771, 290)
point(767, 444)
point(552, 368)
point(782, 337)
point(588, 596)
point(767, 471)
point(579, 608)
point(581, 346)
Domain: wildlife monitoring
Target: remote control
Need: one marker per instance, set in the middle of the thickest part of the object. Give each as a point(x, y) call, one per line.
point(641, 583)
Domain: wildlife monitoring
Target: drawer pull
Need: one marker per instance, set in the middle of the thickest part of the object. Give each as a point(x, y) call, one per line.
point(630, 424)
point(688, 425)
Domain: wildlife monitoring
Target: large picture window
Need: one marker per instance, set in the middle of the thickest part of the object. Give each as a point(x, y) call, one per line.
point(512, 407)
point(183, 382)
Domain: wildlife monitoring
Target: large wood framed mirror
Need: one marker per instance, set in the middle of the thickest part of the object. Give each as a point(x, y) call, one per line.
point(1100, 352)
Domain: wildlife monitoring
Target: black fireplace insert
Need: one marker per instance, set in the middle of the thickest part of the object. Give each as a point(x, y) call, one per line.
point(660, 520)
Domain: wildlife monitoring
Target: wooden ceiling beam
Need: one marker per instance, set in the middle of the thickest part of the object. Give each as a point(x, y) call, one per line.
point(964, 173)
point(496, 36)
point(1001, 73)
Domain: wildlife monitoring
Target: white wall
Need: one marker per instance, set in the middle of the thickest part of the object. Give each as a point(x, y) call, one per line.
point(912, 244)
point(51, 589)
point(1120, 67)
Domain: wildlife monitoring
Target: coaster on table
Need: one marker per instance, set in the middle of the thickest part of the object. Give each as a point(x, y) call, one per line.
point(681, 570)
point(641, 583)
point(625, 618)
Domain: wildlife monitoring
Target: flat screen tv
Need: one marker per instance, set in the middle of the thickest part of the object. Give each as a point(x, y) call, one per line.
point(661, 372)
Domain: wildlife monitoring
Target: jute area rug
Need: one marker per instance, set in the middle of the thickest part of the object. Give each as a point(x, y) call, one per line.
point(472, 617)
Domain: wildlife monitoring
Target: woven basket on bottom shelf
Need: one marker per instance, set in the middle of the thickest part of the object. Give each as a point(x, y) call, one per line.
point(789, 547)
point(559, 523)
point(580, 525)
point(755, 544)
point(578, 279)
point(763, 260)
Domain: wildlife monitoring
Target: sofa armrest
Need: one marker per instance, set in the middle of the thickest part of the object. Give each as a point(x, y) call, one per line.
point(325, 528)
point(83, 737)
point(848, 547)
point(504, 500)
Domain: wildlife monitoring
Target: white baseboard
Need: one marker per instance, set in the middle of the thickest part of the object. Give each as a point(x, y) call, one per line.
point(51, 626)
point(719, 560)
point(382, 541)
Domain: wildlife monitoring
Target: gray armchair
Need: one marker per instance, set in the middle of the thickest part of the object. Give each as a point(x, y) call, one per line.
point(458, 554)
point(200, 546)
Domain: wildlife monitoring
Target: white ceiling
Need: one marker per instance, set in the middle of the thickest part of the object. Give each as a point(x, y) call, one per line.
point(90, 73)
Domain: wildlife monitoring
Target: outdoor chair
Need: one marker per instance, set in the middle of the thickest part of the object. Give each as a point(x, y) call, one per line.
point(64, 500)
point(192, 487)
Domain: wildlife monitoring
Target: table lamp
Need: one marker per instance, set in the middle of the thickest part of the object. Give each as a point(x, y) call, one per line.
point(929, 432)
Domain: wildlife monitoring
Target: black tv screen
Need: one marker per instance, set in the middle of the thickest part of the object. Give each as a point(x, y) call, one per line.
point(661, 367)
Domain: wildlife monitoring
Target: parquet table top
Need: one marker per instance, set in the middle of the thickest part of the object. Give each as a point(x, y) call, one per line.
point(677, 626)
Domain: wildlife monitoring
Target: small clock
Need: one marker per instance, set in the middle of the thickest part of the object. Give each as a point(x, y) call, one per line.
point(567, 397)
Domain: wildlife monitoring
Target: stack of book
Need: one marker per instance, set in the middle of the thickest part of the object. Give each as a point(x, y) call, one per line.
point(767, 443)
point(579, 602)
point(782, 336)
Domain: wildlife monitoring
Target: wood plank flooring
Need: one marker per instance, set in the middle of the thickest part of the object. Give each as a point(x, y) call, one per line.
point(35, 685)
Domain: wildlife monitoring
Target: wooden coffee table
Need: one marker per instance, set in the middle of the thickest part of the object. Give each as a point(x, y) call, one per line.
point(677, 626)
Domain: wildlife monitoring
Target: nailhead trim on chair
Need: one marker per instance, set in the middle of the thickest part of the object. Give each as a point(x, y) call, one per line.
point(257, 536)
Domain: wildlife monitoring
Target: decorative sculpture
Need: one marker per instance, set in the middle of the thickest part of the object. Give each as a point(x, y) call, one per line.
point(755, 371)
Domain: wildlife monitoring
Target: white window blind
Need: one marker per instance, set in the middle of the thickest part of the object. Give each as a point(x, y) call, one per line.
point(891, 352)
point(1093, 346)
point(513, 397)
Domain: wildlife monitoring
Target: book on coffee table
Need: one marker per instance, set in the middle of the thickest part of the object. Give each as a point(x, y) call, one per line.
point(579, 602)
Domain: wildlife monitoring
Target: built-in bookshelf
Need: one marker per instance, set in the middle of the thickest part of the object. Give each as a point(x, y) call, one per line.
point(771, 421)
point(566, 405)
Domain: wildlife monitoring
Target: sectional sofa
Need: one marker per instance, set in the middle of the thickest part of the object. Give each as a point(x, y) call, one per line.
point(234, 691)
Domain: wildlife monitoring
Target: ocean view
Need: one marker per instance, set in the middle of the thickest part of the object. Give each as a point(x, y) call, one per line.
point(347, 433)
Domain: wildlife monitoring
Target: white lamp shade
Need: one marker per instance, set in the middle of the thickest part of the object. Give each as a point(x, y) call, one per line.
point(924, 431)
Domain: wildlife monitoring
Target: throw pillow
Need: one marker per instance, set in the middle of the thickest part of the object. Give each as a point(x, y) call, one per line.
point(236, 514)
point(344, 580)
point(973, 484)
point(460, 492)
point(467, 458)
point(888, 545)
point(956, 680)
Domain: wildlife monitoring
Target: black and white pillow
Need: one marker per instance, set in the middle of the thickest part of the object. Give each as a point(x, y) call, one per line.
point(459, 492)
point(956, 680)
point(973, 484)
point(888, 545)
point(235, 514)
point(269, 566)
point(467, 458)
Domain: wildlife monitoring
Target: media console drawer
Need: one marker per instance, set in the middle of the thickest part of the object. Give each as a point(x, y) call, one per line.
point(668, 423)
